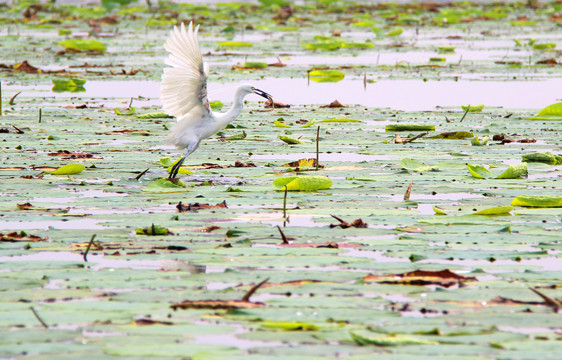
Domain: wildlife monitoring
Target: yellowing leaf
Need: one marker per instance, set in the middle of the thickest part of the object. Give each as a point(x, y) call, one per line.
point(302, 163)
point(479, 172)
point(409, 127)
point(395, 32)
point(514, 171)
point(477, 142)
point(302, 183)
point(278, 123)
point(537, 201)
point(289, 326)
point(473, 108)
point(438, 211)
point(69, 169)
point(168, 164)
point(326, 75)
point(83, 45)
point(235, 44)
point(498, 210)
point(289, 140)
point(131, 111)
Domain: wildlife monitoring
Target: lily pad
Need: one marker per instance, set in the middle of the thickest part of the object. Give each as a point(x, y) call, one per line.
point(68, 169)
point(165, 186)
point(551, 112)
point(302, 183)
point(83, 45)
point(326, 75)
point(537, 201)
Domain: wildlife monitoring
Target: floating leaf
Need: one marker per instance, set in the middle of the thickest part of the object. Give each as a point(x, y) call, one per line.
point(326, 75)
point(358, 45)
point(289, 326)
point(396, 32)
point(255, 65)
point(473, 108)
point(235, 44)
point(543, 157)
point(544, 46)
point(63, 84)
point(236, 137)
point(278, 123)
point(537, 201)
point(154, 115)
point(446, 49)
point(338, 120)
point(165, 186)
point(498, 210)
point(83, 45)
point(479, 172)
point(130, 111)
point(302, 183)
point(216, 105)
point(445, 278)
point(551, 112)
point(455, 135)
point(167, 163)
point(415, 166)
point(302, 163)
point(289, 140)
point(514, 171)
point(388, 340)
point(438, 211)
point(409, 127)
point(68, 169)
point(437, 59)
point(152, 230)
point(477, 142)
point(309, 123)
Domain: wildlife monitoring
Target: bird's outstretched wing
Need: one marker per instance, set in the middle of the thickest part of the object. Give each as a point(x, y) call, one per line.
point(184, 84)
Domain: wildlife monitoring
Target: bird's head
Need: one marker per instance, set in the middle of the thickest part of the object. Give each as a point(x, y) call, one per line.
point(249, 89)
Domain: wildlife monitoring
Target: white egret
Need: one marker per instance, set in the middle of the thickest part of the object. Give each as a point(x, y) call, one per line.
point(183, 93)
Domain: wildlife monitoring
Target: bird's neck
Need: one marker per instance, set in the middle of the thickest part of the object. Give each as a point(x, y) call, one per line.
point(237, 105)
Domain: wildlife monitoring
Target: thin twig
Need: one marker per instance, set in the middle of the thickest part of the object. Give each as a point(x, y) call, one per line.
point(88, 248)
point(40, 114)
point(38, 317)
point(466, 112)
point(130, 103)
point(317, 147)
point(285, 203)
point(337, 218)
point(555, 304)
point(141, 174)
point(11, 102)
point(285, 240)
point(19, 131)
point(250, 292)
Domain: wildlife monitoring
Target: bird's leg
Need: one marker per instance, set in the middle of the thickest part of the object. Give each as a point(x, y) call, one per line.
point(176, 168)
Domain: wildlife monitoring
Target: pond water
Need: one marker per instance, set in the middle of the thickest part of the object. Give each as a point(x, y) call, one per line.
point(397, 94)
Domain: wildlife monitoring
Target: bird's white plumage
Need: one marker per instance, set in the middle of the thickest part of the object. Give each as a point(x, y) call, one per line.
point(183, 93)
point(184, 85)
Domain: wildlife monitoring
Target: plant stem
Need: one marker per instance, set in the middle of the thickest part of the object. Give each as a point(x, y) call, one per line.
point(88, 248)
point(285, 203)
point(317, 146)
point(38, 317)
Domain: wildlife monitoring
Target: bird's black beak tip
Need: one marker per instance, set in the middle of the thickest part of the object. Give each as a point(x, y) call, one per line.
point(263, 94)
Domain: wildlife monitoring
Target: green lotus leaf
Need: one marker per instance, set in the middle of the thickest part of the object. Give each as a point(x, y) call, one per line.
point(415, 166)
point(514, 171)
point(83, 45)
point(473, 108)
point(235, 44)
point(497, 210)
point(69, 169)
point(302, 183)
point(396, 32)
point(479, 172)
point(165, 186)
point(289, 140)
point(154, 115)
point(326, 75)
point(255, 64)
point(543, 157)
point(479, 142)
point(537, 201)
point(551, 112)
point(278, 123)
point(289, 326)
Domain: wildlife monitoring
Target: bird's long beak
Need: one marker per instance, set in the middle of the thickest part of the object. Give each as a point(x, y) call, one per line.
point(263, 94)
